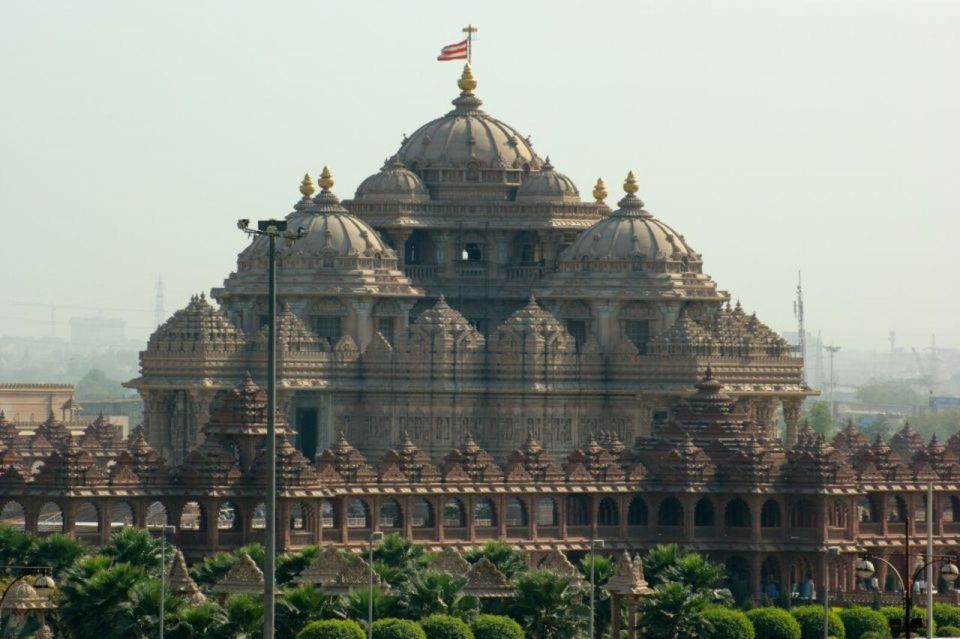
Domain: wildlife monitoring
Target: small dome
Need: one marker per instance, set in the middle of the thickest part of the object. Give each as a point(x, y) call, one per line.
point(629, 232)
point(547, 185)
point(330, 229)
point(394, 183)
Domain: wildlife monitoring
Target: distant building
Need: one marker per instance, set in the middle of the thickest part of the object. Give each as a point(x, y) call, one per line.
point(96, 333)
point(27, 405)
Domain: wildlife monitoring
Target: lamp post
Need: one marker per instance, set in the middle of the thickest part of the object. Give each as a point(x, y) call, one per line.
point(271, 229)
point(374, 537)
point(594, 544)
point(948, 572)
point(163, 570)
point(831, 552)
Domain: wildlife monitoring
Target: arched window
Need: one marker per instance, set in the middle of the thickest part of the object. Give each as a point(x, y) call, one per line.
point(607, 513)
point(390, 514)
point(50, 519)
point(637, 512)
point(299, 516)
point(328, 515)
point(157, 516)
point(258, 518)
point(422, 515)
point(87, 518)
point(358, 515)
point(867, 510)
point(703, 513)
point(671, 512)
point(837, 513)
point(454, 515)
point(13, 516)
point(484, 513)
point(736, 514)
point(193, 517)
point(546, 511)
point(803, 515)
point(578, 510)
point(515, 513)
point(896, 509)
point(770, 514)
point(121, 514)
point(228, 517)
point(953, 515)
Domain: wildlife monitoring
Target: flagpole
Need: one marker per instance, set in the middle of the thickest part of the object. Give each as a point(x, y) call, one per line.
point(469, 30)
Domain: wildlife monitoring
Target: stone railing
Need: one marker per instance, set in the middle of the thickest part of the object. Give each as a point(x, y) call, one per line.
point(420, 271)
point(525, 273)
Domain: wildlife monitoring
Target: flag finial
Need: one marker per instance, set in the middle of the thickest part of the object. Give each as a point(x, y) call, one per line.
point(600, 191)
point(307, 187)
point(467, 82)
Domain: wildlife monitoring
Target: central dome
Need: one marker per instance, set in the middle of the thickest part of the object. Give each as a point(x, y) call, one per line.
point(467, 137)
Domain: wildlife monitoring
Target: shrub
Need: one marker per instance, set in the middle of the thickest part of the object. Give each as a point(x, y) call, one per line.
point(869, 634)
point(917, 612)
point(445, 627)
point(495, 627)
point(393, 628)
point(773, 623)
point(729, 624)
point(946, 615)
point(332, 629)
point(948, 631)
point(810, 619)
point(857, 621)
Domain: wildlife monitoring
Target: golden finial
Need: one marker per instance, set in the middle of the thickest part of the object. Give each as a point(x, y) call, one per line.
point(326, 180)
point(307, 187)
point(631, 185)
point(599, 191)
point(467, 82)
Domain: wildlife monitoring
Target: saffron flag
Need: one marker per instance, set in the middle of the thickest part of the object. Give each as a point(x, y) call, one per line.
point(456, 51)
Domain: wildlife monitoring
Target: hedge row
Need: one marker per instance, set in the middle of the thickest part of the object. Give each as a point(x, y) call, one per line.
point(432, 627)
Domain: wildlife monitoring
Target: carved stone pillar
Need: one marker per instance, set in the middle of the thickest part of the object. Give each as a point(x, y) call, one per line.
point(614, 614)
point(446, 254)
point(756, 579)
point(791, 415)
point(399, 238)
point(631, 617)
point(602, 312)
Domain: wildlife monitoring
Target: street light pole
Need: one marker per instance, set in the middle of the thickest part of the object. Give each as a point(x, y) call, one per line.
point(272, 229)
point(163, 572)
point(594, 544)
point(374, 537)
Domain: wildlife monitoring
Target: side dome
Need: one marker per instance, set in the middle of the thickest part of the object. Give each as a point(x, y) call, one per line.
point(394, 183)
point(629, 232)
point(547, 185)
point(331, 231)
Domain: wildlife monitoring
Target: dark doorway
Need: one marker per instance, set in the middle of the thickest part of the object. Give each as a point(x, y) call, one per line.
point(307, 432)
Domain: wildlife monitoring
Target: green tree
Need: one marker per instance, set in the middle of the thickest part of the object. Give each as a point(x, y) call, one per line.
point(57, 551)
point(810, 619)
point(245, 613)
point(658, 560)
point(858, 620)
point(394, 628)
point(140, 613)
point(675, 611)
point(945, 614)
point(134, 546)
point(773, 623)
point(357, 602)
point(603, 569)
point(495, 627)
point(889, 393)
point(820, 419)
point(445, 627)
point(92, 595)
point(432, 592)
point(15, 548)
point(728, 624)
point(303, 605)
point(396, 559)
point(332, 629)
point(547, 606)
point(502, 555)
point(96, 385)
point(208, 620)
point(289, 565)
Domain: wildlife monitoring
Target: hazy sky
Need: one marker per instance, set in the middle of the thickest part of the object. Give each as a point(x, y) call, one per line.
point(775, 136)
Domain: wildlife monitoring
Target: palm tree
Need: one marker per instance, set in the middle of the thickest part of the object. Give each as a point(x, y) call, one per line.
point(289, 565)
point(134, 546)
point(208, 620)
point(92, 595)
point(547, 606)
point(396, 559)
point(299, 606)
point(603, 569)
point(140, 613)
point(503, 556)
point(658, 560)
point(245, 613)
point(675, 611)
point(432, 592)
point(384, 604)
point(697, 572)
point(57, 551)
point(15, 547)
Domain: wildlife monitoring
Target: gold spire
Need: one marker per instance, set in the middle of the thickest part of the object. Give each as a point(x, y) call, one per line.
point(307, 187)
point(467, 82)
point(631, 185)
point(599, 191)
point(326, 180)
